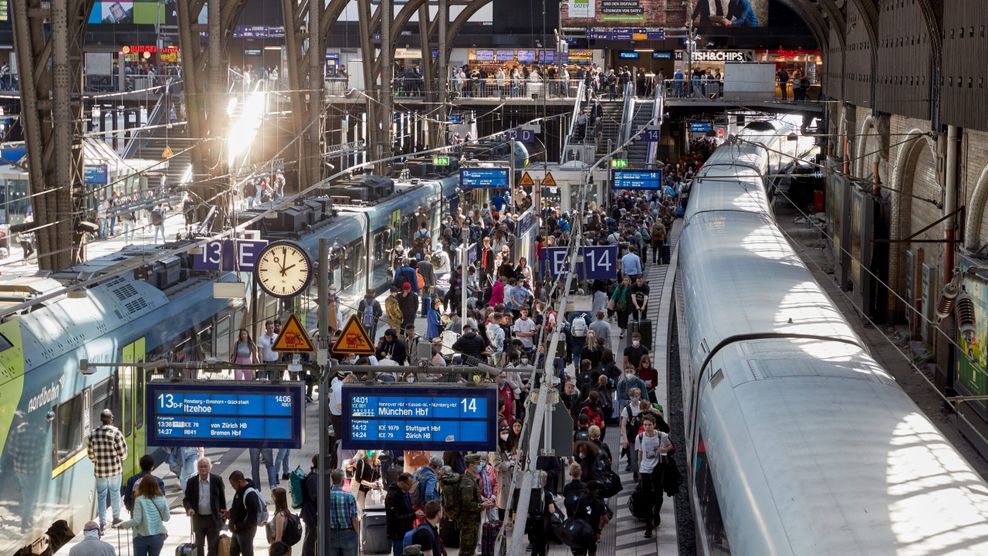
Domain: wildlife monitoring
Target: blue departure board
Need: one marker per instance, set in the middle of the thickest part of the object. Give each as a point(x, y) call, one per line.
point(416, 418)
point(485, 177)
point(234, 414)
point(636, 179)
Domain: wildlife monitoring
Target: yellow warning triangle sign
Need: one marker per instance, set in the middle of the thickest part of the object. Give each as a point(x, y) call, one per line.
point(526, 180)
point(548, 180)
point(293, 338)
point(167, 153)
point(353, 340)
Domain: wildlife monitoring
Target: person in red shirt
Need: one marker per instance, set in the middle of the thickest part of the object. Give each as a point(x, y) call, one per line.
point(649, 374)
point(506, 398)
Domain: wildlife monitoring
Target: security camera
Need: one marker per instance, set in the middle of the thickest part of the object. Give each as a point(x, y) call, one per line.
point(84, 367)
point(50, 416)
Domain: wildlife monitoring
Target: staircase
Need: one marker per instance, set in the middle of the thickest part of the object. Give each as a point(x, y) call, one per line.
point(610, 124)
point(150, 144)
point(638, 150)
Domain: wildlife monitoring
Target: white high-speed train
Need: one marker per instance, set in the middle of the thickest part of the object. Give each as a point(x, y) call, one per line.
point(798, 441)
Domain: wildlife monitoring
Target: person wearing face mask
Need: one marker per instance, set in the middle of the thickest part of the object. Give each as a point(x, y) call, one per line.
point(586, 453)
point(367, 475)
point(91, 545)
point(629, 381)
point(504, 464)
point(631, 417)
point(634, 352)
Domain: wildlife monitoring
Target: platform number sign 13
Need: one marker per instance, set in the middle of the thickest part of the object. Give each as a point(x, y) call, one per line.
point(599, 262)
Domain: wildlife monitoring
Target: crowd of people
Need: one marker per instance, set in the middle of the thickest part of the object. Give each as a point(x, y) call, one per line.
point(431, 502)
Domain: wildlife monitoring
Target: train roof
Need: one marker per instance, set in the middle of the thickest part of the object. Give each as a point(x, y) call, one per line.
point(733, 258)
point(834, 457)
point(720, 190)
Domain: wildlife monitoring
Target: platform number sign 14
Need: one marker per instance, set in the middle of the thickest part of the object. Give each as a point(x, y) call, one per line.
point(598, 262)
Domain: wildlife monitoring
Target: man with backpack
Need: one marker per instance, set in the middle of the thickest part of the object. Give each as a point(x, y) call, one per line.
point(401, 515)
point(470, 505)
point(426, 535)
point(158, 221)
point(247, 511)
point(427, 483)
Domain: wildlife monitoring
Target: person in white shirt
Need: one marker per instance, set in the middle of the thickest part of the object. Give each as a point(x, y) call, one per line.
point(264, 344)
point(524, 329)
point(652, 445)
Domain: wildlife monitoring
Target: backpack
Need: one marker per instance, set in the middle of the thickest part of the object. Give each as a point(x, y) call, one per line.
point(293, 530)
point(416, 494)
point(437, 260)
point(407, 539)
point(157, 217)
point(297, 479)
point(421, 280)
point(451, 496)
point(262, 510)
point(634, 423)
point(579, 327)
point(593, 416)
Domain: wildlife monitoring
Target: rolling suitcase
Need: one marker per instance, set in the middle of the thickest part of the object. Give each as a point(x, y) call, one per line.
point(186, 549)
point(488, 537)
point(664, 254)
point(643, 327)
point(374, 537)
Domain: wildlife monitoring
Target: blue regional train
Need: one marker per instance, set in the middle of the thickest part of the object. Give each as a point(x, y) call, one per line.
point(166, 310)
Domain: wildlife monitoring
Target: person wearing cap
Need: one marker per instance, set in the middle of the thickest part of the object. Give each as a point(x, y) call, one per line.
point(472, 505)
point(91, 545)
point(107, 448)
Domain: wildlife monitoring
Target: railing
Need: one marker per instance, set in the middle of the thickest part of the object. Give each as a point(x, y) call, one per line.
point(577, 110)
point(336, 86)
point(158, 115)
point(658, 109)
point(627, 114)
point(491, 88)
point(713, 90)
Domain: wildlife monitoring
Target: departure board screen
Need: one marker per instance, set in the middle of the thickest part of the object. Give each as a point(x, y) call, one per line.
point(416, 418)
point(225, 415)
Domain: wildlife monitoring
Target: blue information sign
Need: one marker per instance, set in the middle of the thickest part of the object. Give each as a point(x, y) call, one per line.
point(600, 262)
point(652, 135)
point(485, 177)
point(701, 127)
point(225, 415)
point(416, 418)
point(235, 255)
point(96, 174)
point(636, 179)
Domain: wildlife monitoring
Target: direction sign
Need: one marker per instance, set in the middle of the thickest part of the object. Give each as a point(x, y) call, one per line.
point(652, 135)
point(636, 179)
point(526, 180)
point(548, 180)
point(415, 418)
point(618, 163)
point(228, 415)
point(234, 254)
point(440, 161)
point(293, 338)
point(600, 262)
point(354, 339)
point(700, 127)
point(96, 174)
point(485, 177)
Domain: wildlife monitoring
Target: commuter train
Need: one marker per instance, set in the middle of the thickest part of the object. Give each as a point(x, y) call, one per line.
point(165, 310)
point(798, 441)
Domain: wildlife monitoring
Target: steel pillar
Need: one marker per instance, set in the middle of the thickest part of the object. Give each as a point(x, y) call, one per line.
point(304, 43)
point(204, 70)
point(48, 37)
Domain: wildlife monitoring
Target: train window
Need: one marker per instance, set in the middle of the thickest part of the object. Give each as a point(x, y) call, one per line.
point(126, 375)
point(713, 523)
point(69, 428)
point(223, 339)
point(141, 380)
point(352, 264)
point(104, 397)
point(270, 309)
point(380, 246)
point(205, 341)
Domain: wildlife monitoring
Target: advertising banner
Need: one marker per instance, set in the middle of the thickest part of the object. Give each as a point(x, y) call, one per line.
point(665, 13)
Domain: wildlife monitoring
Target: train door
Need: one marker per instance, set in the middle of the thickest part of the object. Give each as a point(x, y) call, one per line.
point(132, 382)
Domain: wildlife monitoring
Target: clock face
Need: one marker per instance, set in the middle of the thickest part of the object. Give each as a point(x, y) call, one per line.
point(283, 269)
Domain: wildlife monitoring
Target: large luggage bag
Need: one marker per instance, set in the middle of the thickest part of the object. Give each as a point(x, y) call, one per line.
point(450, 533)
point(185, 549)
point(374, 534)
point(664, 254)
point(488, 537)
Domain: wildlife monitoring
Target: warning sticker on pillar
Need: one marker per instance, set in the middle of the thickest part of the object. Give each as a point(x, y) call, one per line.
point(548, 180)
point(526, 180)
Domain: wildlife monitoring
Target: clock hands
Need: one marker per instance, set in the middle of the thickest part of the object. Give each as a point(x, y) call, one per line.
point(285, 269)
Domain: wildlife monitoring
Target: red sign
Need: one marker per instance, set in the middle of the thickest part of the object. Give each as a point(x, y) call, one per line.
point(149, 48)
